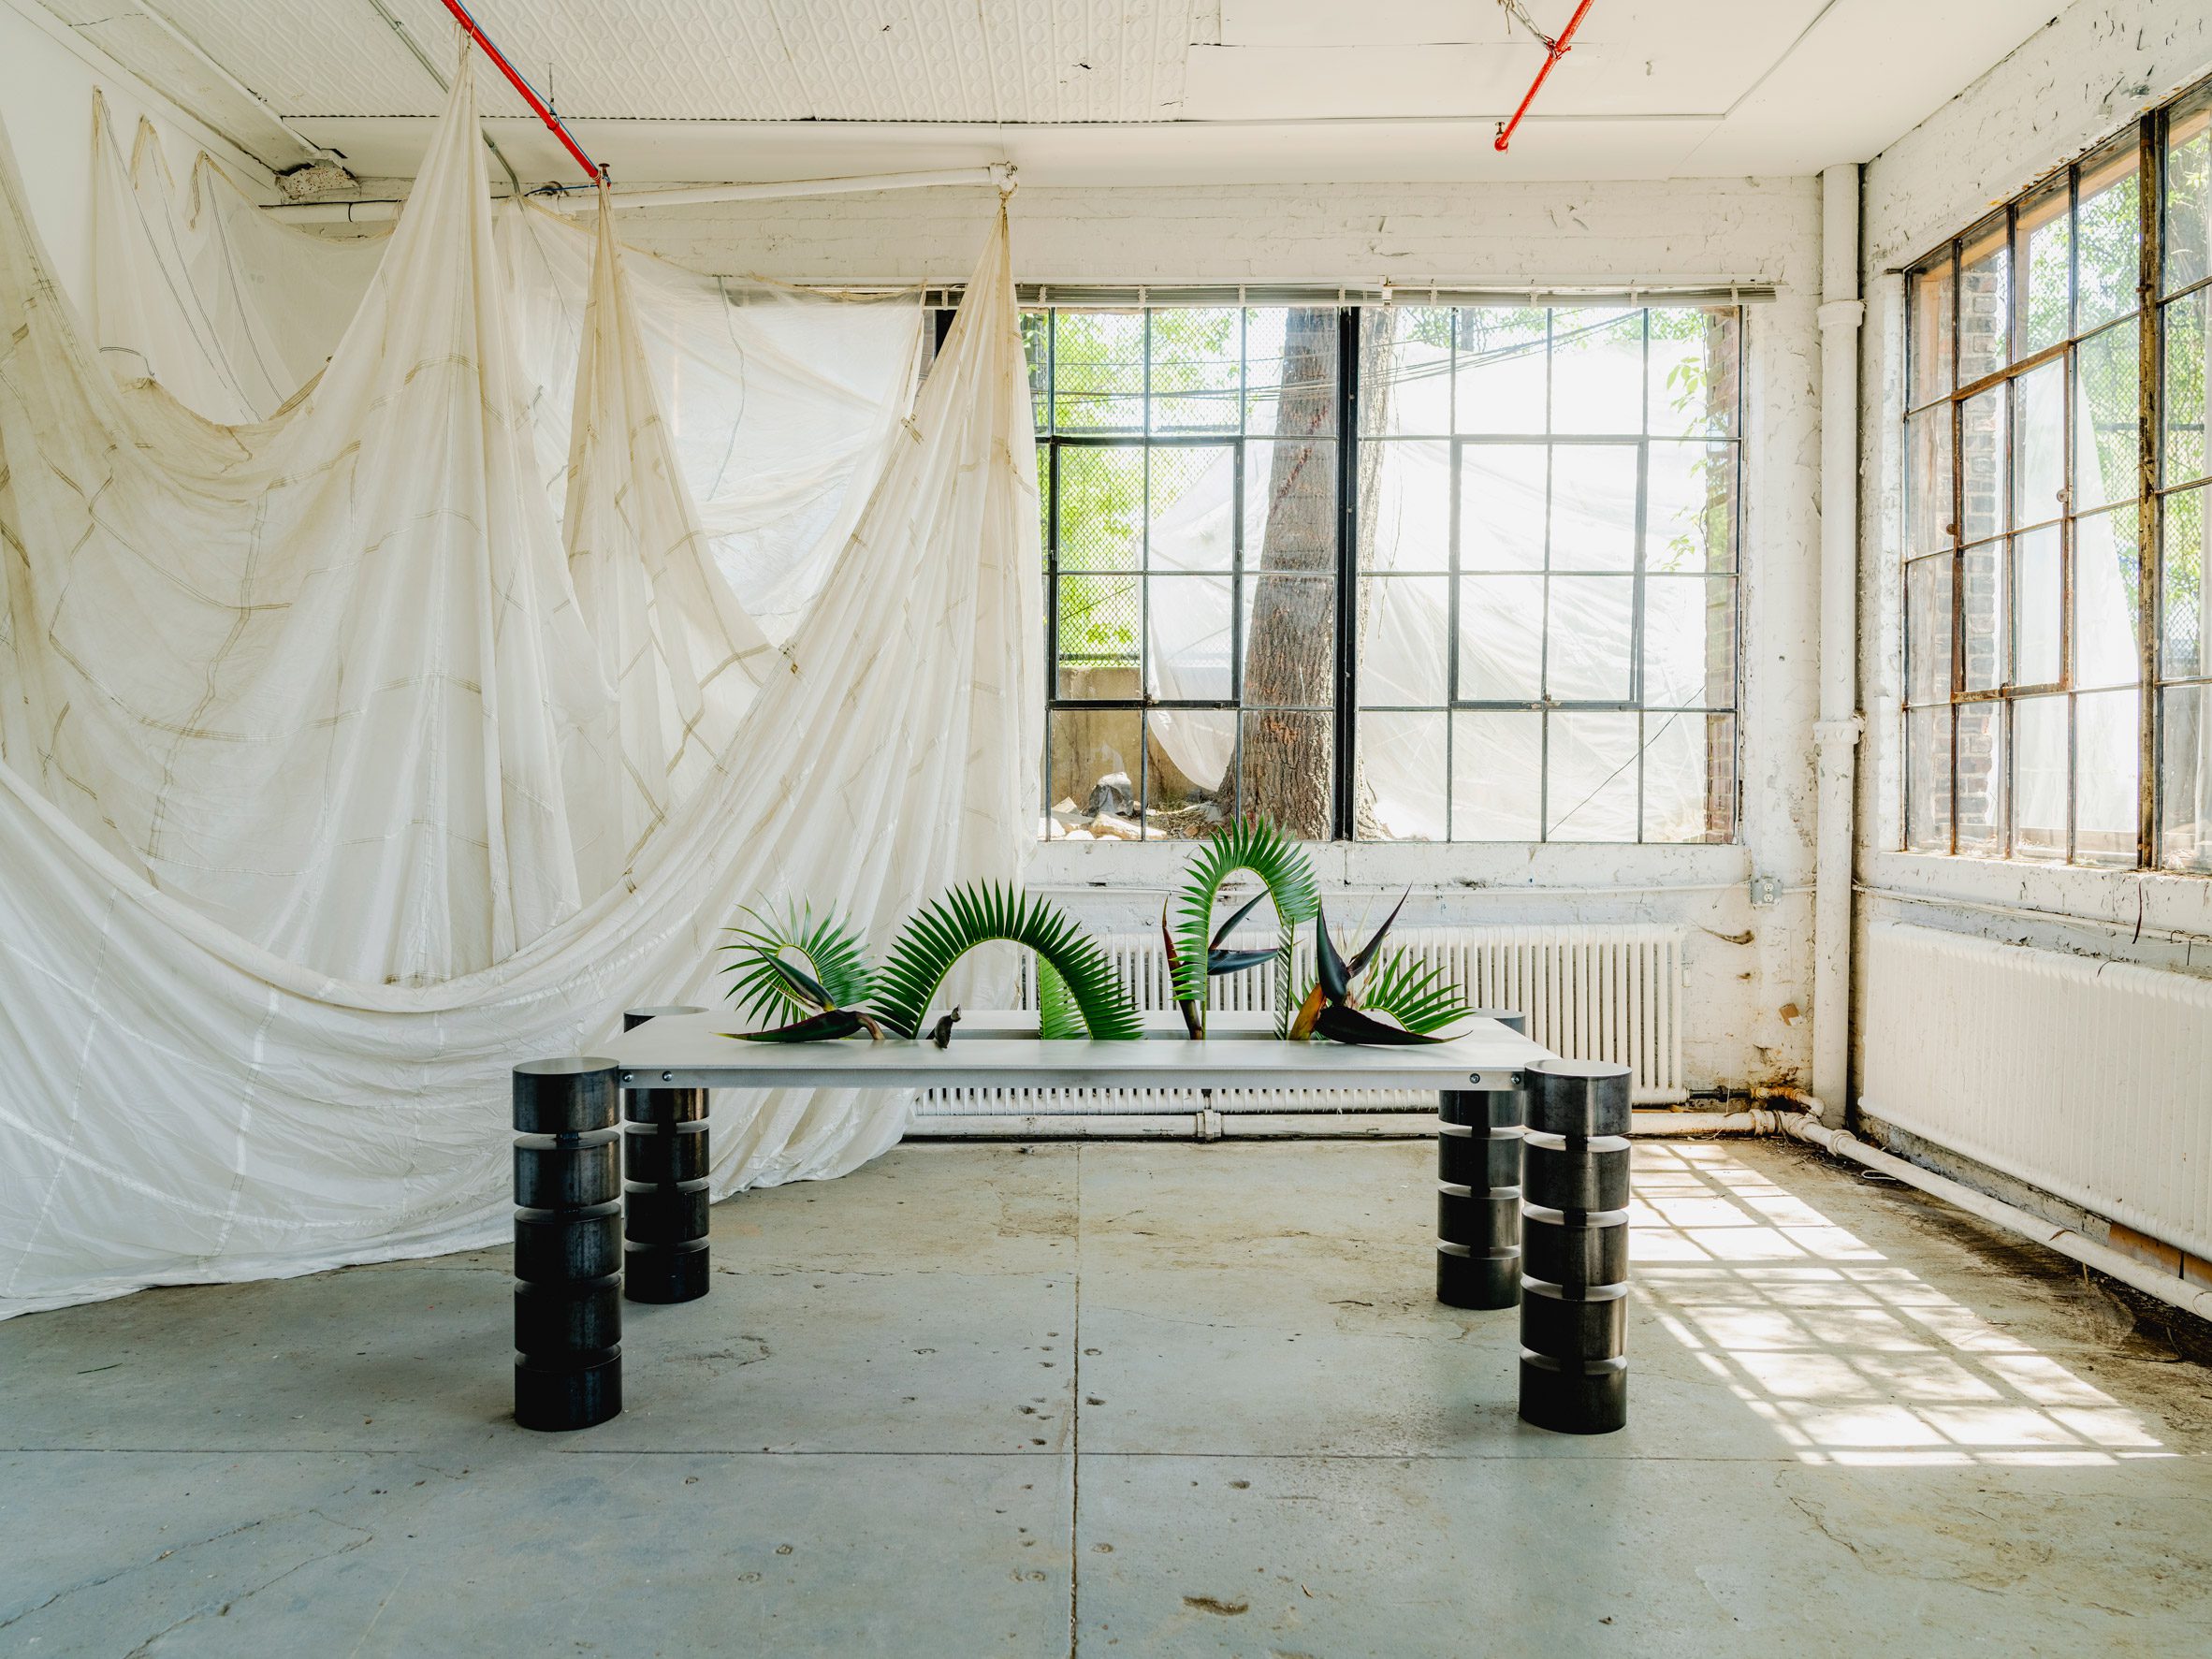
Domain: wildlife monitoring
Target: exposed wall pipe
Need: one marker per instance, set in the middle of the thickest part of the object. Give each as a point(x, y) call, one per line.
point(538, 106)
point(1835, 733)
point(370, 212)
point(2168, 1288)
point(998, 173)
point(1553, 51)
point(438, 75)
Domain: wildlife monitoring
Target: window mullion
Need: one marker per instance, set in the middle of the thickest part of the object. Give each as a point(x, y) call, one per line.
point(1343, 812)
point(2149, 531)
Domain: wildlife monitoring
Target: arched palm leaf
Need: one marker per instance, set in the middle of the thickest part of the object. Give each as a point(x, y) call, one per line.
point(1257, 847)
point(796, 965)
point(1071, 968)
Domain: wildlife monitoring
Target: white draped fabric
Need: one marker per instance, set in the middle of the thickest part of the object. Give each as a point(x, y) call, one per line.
point(327, 790)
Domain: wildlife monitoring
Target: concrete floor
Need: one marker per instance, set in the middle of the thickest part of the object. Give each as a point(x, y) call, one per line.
point(1147, 1399)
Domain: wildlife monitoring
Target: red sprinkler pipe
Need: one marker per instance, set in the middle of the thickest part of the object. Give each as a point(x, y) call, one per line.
point(461, 16)
point(1554, 50)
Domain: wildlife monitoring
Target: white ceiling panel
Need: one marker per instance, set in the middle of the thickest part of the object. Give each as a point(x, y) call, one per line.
point(1137, 91)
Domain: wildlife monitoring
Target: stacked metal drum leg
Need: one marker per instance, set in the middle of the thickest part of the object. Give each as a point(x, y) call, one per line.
point(568, 1244)
point(665, 1185)
point(1574, 1308)
point(1478, 1190)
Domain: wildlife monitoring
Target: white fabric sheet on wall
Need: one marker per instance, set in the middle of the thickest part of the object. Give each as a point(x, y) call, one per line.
point(347, 638)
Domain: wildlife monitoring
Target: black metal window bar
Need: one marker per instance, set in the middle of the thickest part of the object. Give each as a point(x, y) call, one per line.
point(2055, 458)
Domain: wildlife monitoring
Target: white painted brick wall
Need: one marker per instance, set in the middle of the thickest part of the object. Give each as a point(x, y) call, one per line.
point(2091, 71)
point(1746, 964)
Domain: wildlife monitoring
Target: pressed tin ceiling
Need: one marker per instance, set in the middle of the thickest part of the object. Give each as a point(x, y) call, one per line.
point(1134, 91)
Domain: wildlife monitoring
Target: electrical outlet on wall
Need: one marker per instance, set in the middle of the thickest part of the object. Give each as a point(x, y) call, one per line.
point(1765, 891)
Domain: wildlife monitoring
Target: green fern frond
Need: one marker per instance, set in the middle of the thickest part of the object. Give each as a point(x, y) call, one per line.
point(794, 964)
point(939, 934)
point(1258, 847)
point(1416, 993)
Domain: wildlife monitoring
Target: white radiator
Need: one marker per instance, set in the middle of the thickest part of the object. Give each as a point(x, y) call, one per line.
point(2089, 1079)
point(1590, 993)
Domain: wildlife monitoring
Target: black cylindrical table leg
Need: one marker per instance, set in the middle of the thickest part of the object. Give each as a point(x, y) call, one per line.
point(568, 1244)
point(665, 1185)
point(1574, 1308)
point(1478, 1191)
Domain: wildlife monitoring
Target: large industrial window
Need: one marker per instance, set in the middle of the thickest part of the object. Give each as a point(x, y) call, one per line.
point(2054, 531)
point(1505, 610)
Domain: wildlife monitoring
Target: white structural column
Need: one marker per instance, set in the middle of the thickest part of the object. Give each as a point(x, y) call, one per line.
point(1835, 733)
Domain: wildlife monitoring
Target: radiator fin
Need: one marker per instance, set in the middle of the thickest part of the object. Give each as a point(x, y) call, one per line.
point(1591, 992)
point(2089, 1079)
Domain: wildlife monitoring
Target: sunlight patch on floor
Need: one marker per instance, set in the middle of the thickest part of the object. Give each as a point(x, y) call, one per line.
point(1850, 1358)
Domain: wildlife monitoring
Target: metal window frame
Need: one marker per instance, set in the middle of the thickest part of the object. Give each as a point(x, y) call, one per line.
point(1347, 578)
point(2153, 489)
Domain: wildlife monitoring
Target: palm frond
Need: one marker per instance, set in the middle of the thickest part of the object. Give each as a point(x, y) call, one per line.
point(942, 932)
point(1259, 849)
point(795, 963)
point(1417, 994)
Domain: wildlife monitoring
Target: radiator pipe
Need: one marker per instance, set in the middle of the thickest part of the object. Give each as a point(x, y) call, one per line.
point(1810, 1125)
point(1836, 732)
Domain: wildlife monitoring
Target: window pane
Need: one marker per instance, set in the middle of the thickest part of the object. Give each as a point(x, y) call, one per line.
point(2186, 611)
point(2107, 799)
point(2040, 784)
point(1095, 756)
point(1928, 299)
point(2107, 595)
point(2107, 419)
point(1196, 370)
point(2187, 250)
point(2041, 235)
point(1098, 636)
point(1189, 771)
point(1500, 378)
point(1501, 639)
point(1497, 777)
point(1928, 780)
point(1098, 370)
point(1591, 765)
point(1593, 506)
point(1688, 777)
point(1982, 462)
point(1927, 480)
point(2037, 603)
point(2185, 778)
point(1101, 508)
point(1290, 641)
point(1405, 506)
point(1690, 642)
point(1290, 506)
point(1189, 647)
point(1411, 347)
point(1982, 616)
point(1928, 630)
point(1979, 801)
point(1404, 641)
point(1403, 773)
point(2039, 444)
point(1985, 301)
point(1289, 769)
point(1693, 386)
point(1597, 369)
point(2108, 233)
point(1589, 636)
point(2182, 405)
point(1191, 505)
point(1502, 490)
point(1289, 370)
point(1690, 507)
